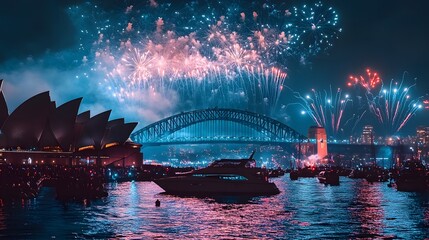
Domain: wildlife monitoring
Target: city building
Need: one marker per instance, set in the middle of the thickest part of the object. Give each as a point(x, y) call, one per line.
point(422, 136)
point(367, 134)
point(39, 132)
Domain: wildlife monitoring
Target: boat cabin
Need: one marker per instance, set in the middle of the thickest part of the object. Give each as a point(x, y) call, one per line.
point(234, 163)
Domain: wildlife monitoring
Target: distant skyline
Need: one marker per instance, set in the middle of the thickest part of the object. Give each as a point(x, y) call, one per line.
point(42, 48)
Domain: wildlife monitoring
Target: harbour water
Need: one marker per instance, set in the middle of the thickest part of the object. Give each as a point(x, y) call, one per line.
point(305, 209)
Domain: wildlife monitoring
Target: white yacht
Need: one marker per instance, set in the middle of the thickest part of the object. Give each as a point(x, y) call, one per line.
point(224, 176)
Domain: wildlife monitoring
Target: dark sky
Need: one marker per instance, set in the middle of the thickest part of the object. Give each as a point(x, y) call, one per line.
point(389, 36)
point(30, 28)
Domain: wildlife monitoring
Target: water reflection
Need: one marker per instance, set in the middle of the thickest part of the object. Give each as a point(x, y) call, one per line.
point(366, 209)
point(319, 209)
point(406, 214)
point(426, 215)
point(305, 209)
point(225, 199)
point(218, 217)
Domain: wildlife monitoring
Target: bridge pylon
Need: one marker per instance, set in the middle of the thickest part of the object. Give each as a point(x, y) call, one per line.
point(319, 134)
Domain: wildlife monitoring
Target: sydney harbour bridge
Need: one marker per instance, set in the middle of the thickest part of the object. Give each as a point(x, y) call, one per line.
point(222, 125)
point(217, 125)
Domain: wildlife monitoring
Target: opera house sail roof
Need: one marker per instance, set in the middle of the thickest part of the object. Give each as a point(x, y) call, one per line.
point(38, 124)
point(3, 106)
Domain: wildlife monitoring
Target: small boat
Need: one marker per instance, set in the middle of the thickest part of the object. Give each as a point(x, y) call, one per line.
point(276, 172)
point(412, 177)
point(222, 177)
point(371, 174)
point(307, 172)
point(329, 177)
point(294, 175)
point(376, 174)
point(357, 173)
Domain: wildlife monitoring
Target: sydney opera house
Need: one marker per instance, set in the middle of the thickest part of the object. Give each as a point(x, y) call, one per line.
point(39, 132)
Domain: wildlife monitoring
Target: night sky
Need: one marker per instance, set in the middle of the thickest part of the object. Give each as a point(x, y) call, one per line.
point(40, 39)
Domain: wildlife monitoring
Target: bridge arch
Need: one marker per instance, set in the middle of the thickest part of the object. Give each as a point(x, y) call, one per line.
point(275, 130)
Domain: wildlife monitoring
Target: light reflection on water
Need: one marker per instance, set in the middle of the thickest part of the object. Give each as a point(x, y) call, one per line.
point(366, 208)
point(304, 209)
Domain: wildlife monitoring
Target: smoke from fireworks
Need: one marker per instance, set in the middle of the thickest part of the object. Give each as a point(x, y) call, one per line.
point(206, 54)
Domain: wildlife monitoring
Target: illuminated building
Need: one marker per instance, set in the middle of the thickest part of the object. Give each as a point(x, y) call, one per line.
point(39, 132)
point(422, 135)
point(367, 134)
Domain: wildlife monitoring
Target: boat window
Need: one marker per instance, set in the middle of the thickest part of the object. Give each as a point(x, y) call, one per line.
point(199, 175)
point(226, 164)
point(233, 177)
point(234, 163)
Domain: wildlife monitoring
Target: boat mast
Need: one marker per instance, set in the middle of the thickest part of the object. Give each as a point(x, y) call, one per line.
point(251, 155)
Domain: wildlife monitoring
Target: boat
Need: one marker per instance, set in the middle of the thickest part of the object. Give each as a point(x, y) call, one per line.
point(371, 174)
point(412, 177)
point(376, 174)
point(276, 172)
point(357, 173)
point(307, 172)
point(329, 177)
point(222, 177)
point(294, 175)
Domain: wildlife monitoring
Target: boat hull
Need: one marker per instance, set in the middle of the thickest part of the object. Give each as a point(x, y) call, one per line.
point(190, 185)
point(329, 178)
point(412, 185)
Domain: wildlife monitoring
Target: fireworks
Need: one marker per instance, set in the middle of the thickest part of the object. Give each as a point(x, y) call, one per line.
point(394, 106)
point(327, 109)
point(368, 81)
point(426, 102)
point(209, 54)
point(315, 28)
point(391, 105)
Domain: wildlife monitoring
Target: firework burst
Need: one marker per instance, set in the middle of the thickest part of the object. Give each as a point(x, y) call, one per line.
point(426, 102)
point(328, 109)
point(369, 81)
point(392, 105)
point(209, 54)
point(314, 28)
